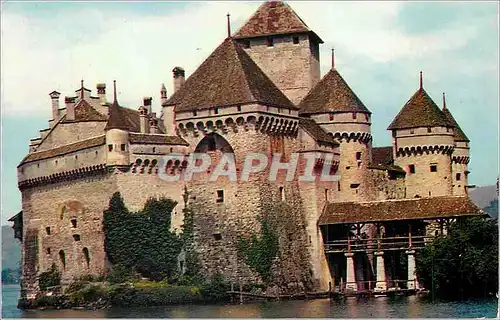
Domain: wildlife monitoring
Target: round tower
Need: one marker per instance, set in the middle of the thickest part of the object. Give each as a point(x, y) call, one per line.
point(117, 136)
point(337, 109)
point(423, 142)
point(460, 156)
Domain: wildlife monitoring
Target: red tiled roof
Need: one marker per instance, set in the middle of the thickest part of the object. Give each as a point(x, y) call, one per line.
point(273, 18)
point(45, 154)
point(227, 77)
point(331, 94)
point(419, 111)
point(404, 209)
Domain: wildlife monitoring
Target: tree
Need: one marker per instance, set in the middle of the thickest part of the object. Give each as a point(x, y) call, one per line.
point(464, 263)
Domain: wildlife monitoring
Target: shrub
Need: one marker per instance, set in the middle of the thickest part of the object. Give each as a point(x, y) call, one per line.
point(215, 289)
point(153, 296)
point(120, 274)
point(49, 278)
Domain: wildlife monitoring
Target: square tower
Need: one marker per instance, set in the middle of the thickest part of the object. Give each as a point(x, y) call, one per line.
point(284, 47)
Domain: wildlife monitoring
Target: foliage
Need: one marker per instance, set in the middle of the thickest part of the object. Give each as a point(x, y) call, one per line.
point(142, 241)
point(215, 289)
point(158, 296)
point(89, 293)
point(464, 263)
point(11, 276)
point(150, 284)
point(260, 253)
point(49, 278)
point(120, 274)
point(192, 262)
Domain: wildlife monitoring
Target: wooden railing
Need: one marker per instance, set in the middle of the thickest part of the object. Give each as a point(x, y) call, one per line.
point(377, 244)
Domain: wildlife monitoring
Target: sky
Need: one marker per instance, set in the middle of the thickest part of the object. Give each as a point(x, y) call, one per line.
point(380, 47)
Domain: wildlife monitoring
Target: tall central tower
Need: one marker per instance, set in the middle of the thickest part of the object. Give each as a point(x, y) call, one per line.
point(284, 48)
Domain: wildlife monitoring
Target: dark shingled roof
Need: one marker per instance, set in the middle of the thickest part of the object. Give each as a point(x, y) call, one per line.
point(142, 138)
point(404, 209)
point(331, 94)
point(273, 18)
point(85, 112)
point(227, 77)
point(45, 154)
point(420, 111)
point(382, 155)
point(459, 134)
point(122, 118)
point(318, 133)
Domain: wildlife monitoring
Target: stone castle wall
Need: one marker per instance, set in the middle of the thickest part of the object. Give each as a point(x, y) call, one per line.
point(294, 68)
point(66, 133)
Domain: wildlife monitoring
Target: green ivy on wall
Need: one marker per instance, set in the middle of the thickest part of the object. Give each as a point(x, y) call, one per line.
point(259, 254)
point(49, 278)
point(142, 240)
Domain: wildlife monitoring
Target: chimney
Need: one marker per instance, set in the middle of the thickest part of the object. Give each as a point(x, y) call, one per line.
point(54, 95)
point(70, 108)
point(144, 119)
point(179, 77)
point(147, 103)
point(101, 92)
point(153, 124)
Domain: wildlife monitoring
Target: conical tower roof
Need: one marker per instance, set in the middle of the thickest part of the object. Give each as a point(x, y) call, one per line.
point(227, 77)
point(420, 111)
point(117, 119)
point(331, 94)
point(459, 134)
point(273, 18)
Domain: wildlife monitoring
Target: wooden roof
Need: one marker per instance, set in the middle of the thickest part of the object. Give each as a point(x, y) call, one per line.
point(141, 138)
point(227, 77)
point(331, 94)
point(85, 112)
point(458, 133)
point(403, 209)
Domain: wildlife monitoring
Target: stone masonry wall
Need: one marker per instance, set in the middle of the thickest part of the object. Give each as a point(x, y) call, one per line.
point(54, 206)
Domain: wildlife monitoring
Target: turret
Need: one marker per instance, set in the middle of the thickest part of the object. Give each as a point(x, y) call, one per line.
point(168, 110)
point(460, 156)
point(339, 111)
point(423, 141)
point(117, 135)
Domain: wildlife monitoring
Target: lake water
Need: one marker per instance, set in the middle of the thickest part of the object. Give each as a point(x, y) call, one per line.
point(382, 307)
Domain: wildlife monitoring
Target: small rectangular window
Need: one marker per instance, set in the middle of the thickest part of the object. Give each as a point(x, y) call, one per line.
point(220, 196)
point(326, 194)
point(195, 113)
point(122, 147)
point(412, 131)
point(411, 167)
point(47, 229)
point(270, 41)
point(354, 185)
point(458, 176)
point(47, 250)
point(354, 115)
point(238, 108)
point(282, 194)
point(434, 167)
point(429, 129)
point(331, 116)
point(76, 237)
point(295, 39)
point(217, 236)
point(110, 147)
point(73, 223)
point(216, 110)
point(358, 156)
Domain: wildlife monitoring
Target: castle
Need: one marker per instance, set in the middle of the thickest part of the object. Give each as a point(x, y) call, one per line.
point(260, 91)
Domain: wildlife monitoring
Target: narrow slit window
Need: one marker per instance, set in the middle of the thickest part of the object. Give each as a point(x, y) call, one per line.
point(326, 194)
point(62, 258)
point(358, 156)
point(282, 194)
point(220, 196)
point(73, 223)
point(458, 176)
point(47, 229)
point(331, 116)
point(270, 41)
point(86, 254)
point(110, 147)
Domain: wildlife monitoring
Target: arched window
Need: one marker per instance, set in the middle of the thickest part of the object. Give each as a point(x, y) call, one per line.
point(86, 254)
point(62, 258)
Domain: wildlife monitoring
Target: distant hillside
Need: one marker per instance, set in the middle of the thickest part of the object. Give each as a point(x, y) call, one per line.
point(483, 196)
point(11, 249)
